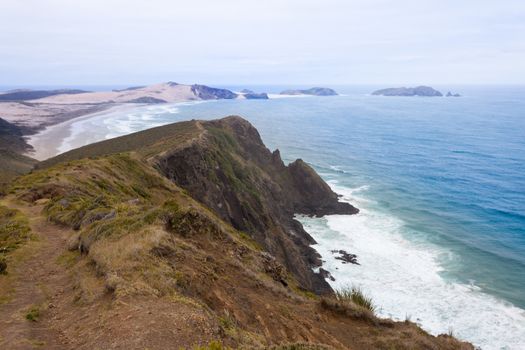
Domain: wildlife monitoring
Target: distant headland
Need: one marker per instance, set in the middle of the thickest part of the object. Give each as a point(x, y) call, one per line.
point(410, 91)
point(315, 91)
point(422, 90)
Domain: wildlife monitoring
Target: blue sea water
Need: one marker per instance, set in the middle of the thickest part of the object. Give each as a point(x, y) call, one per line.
point(441, 187)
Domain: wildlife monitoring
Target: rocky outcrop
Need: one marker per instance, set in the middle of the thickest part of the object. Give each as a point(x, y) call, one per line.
point(231, 171)
point(412, 91)
point(208, 93)
point(345, 257)
point(252, 95)
point(315, 91)
point(256, 96)
point(450, 94)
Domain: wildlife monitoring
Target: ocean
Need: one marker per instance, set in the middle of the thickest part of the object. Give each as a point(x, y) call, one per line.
point(440, 183)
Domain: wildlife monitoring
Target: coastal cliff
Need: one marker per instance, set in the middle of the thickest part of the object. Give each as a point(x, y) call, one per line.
point(231, 171)
point(175, 237)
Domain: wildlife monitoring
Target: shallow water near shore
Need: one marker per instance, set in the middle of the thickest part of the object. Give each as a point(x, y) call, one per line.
point(441, 187)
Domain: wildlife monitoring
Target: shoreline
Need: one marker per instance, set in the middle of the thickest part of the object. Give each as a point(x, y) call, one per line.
point(46, 143)
point(436, 306)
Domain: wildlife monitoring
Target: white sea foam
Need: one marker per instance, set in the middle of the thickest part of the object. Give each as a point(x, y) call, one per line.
point(403, 277)
point(114, 124)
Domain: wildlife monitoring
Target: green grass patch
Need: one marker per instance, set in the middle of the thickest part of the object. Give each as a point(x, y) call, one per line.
point(33, 314)
point(14, 232)
point(68, 258)
point(213, 345)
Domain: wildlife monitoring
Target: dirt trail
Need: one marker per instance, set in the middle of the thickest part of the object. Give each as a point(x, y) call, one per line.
point(38, 281)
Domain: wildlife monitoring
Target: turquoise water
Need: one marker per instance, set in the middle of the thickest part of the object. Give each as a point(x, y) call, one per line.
point(441, 185)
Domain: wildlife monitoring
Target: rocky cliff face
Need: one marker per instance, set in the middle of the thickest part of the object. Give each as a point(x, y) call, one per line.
point(128, 245)
point(230, 170)
point(208, 93)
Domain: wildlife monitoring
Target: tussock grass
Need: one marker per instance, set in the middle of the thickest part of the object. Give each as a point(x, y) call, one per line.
point(357, 296)
point(351, 302)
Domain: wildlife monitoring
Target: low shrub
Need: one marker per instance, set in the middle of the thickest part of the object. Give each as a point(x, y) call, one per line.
point(33, 314)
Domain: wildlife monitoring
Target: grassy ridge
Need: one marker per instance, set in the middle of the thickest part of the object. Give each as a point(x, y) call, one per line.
point(148, 142)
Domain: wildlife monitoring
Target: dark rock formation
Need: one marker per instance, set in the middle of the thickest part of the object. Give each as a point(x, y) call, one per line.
point(22, 95)
point(146, 99)
point(326, 274)
point(232, 172)
point(252, 95)
point(315, 91)
point(208, 93)
point(256, 96)
point(450, 94)
point(403, 91)
point(345, 257)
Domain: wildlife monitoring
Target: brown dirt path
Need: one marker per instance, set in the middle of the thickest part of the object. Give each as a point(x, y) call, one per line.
point(36, 279)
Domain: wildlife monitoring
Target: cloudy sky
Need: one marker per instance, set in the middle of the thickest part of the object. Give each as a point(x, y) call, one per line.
point(64, 42)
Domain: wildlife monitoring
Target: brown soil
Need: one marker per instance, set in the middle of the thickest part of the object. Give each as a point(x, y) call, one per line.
point(37, 280)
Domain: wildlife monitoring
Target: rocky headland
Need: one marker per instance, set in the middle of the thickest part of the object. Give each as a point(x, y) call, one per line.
point(425, 91)
point(174, 237)
point(315, 91)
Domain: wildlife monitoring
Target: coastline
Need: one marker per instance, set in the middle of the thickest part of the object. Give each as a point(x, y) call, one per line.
point(418, 266)
point(46, 143)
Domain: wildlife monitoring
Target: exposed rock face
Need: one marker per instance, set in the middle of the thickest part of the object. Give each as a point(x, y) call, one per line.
point(412, 91)
point(345, 257)
point(450, 94)
point(315, 91)
point(256, 96)
point(208, 93)
point(230, 170)
point(252, 95)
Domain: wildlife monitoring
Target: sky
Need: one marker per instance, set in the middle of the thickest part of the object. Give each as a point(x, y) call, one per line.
point(126, 42)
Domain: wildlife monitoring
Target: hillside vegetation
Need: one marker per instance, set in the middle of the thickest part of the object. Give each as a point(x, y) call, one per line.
point(178, 237)
point(12, 144)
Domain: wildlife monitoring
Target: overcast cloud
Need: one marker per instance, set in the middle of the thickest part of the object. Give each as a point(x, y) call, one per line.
point(265, 41)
